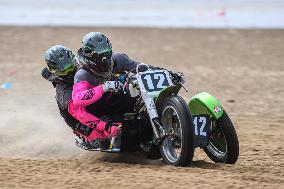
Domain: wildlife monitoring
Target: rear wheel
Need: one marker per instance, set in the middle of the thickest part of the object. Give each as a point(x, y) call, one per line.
point(178, 146)
point(223, 144)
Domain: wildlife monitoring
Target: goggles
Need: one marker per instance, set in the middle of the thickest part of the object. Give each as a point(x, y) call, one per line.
point(69, 67)
point(94, 56)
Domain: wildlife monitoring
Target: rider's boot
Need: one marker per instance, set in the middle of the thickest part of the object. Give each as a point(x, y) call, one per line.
point(83, 132)
point(83, 144)
point(100, 144)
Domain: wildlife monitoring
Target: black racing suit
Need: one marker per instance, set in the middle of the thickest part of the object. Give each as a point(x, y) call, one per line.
point(63, 96)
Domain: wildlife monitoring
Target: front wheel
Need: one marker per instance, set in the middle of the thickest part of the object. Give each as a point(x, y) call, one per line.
point(178, 146)
point(223, 144)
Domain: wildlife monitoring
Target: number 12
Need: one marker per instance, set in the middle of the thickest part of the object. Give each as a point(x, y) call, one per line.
point(159, 77)
point(201, 120)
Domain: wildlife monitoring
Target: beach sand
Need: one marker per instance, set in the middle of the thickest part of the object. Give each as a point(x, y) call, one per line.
point(244, 69)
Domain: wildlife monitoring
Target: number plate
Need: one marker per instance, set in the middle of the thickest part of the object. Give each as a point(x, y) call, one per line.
point(154, 81)
point(202, 125)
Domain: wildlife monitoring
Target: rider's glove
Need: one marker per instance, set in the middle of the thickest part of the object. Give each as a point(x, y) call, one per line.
point(111, 86)
point(122, 77)
point(114, 129)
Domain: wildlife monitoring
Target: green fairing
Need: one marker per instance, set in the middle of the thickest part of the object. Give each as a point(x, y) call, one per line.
point(205, 103)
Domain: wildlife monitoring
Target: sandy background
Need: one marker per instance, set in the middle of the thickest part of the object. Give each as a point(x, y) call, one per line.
point(243, 68)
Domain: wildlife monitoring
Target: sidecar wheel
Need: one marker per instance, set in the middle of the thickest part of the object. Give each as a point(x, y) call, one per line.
point(178, 147)
point(223, 144)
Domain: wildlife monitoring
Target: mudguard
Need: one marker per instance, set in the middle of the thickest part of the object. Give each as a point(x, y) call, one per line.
point(205, 103)
point(165, 93)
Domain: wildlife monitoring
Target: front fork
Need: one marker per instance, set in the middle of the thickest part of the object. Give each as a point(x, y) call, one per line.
point(159, 131)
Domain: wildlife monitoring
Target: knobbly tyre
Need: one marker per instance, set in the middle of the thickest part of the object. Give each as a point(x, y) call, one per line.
point(164, 125)
point(214, 130)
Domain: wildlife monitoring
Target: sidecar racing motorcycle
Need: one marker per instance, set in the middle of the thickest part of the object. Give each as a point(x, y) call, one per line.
point(164, 125)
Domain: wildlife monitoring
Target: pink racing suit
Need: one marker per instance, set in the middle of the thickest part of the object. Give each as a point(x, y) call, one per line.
point(87, 92)
point(83, 95)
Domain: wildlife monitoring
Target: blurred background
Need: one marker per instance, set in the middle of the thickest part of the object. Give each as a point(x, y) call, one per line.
point(146, 13)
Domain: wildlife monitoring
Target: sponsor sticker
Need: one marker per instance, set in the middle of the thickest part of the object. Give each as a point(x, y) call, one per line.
point(217, 109)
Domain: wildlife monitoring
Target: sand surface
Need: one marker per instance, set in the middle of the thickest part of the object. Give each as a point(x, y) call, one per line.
point(242, 68)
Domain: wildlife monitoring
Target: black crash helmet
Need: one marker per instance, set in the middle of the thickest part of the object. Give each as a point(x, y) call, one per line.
point(60, 60)
point(95, 54)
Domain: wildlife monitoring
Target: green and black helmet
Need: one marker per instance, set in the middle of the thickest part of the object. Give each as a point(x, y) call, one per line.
point(95, 54)
point(60, 60)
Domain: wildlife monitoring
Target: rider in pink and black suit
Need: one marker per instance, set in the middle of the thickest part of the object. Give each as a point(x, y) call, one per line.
point(94, 89)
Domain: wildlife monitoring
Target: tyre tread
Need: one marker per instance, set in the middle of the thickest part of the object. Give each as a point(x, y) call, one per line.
point(232, 141)
point(188, 152)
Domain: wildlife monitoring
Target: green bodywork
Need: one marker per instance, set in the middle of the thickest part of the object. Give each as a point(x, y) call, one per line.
point(200, 104)
point(205, 103)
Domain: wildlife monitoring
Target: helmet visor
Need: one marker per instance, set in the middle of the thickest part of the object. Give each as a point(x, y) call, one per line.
point(61, 69)
point(100, 62)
